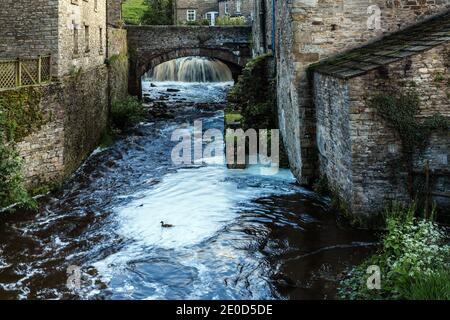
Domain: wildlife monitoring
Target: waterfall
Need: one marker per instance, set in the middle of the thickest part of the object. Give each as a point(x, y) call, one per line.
point(191, 69)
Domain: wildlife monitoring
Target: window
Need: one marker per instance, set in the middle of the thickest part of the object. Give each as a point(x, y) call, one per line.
point(226, 8)
point(191, 15)
point(238, 6)
point(86, 38)
point(211, 17)
point(101, 40)
point(75, 39)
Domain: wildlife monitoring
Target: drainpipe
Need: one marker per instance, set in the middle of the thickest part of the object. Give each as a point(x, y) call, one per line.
point(263, 21)
point(274, 25)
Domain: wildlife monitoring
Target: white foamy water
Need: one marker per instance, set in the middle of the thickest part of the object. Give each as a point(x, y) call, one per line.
point(189, 92)
point(191, 69)
point(197, 201)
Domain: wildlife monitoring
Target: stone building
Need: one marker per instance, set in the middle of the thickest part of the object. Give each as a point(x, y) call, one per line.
point(237, 8)
point(263, 27)
point(360, 152)
point(309, 31)
point(78, 87)
point(191, 11)
point(72, 31)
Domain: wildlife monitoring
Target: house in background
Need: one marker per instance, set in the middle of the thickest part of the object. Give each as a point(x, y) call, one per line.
point(191, 11)
point(236, 8)
point(195, 11)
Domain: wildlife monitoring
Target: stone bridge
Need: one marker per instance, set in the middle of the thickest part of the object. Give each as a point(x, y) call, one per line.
point(149, 46)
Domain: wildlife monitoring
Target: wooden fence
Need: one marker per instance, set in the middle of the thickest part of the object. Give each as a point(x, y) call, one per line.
point(24, 72)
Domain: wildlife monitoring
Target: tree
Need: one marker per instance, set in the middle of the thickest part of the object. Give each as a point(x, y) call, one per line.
point(159, 12)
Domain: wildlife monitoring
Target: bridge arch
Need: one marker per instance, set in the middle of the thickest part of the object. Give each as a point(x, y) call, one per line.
point(150, 46)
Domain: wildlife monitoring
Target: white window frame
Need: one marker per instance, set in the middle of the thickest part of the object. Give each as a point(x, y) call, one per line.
point(238, 6)
point(189, 13)
point(212, 17)
point(226, 9)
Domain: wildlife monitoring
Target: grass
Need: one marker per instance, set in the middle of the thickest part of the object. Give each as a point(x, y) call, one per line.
point(430, 287)
point(133, 10)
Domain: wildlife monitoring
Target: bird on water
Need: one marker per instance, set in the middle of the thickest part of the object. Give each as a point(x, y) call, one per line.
point(166, 225)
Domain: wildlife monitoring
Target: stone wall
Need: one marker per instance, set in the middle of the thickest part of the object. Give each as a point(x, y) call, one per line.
point(75, 16)
point(43, 151)
point(152, 45)
point(333, 133)
point(114, 13)
point(246, 9)
point(76, 109)
point(201, 8)
point(360, 152)
point(118, 64)
point(28, 28)
point(262, 26)
point(311, 30)
point(85, 104)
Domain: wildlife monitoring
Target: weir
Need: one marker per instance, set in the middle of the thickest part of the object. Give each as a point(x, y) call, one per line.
point(191, 69)
point(150, 46)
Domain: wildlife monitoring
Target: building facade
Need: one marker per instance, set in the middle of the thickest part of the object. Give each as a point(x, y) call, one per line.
point(207, 11)
point(237, 8)
point(73, 32)
point(57, 50)
point(305, 32)
point(196, 11)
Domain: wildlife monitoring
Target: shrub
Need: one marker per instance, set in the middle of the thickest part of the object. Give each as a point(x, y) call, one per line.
point(413, 253)
point(202, 22)
point(127, 113)
point(20, 116)
point(230, 21)
point(12, 188)
point(254, 95)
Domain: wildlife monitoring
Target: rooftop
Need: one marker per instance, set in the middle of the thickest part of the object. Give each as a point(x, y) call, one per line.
point(405, 43)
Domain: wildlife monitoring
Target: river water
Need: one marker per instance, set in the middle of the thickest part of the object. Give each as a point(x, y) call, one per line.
point(236, 234)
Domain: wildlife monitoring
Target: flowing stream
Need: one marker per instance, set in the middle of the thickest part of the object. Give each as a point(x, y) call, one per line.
point(236, 234)
point(191, 69)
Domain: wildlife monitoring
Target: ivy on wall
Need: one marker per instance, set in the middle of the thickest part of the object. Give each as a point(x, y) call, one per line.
point(20, 116)
point(401, 110)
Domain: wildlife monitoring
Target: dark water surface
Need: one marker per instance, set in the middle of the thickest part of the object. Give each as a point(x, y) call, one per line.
point(237, 234)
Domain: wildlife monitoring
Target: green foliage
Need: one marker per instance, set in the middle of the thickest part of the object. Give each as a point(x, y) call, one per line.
point(106, 139)
point(148, 12)
point(127, 113)
point(12, 189)
point(254, 95)
point(230, 21)
point(414, 252)
point(435, 286)
point(20, 115)
point(231, 117)
point(400, 110)
point(158, 12)
point(202, 22)
point(133, 11)
point(322, 187)
point(439, 77)
point(117, 58)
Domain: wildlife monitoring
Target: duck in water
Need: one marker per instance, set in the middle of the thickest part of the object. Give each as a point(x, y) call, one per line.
point(166, 225)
